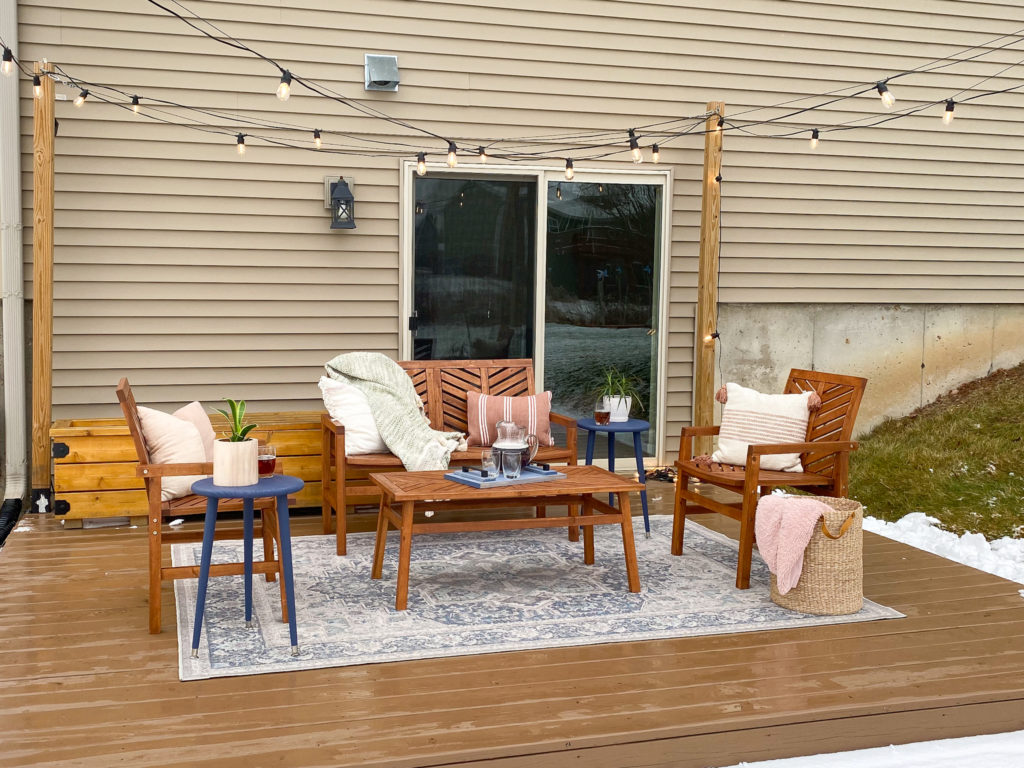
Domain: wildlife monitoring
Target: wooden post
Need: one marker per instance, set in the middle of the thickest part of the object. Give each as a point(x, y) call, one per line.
point(42, 289)
point(707, 277)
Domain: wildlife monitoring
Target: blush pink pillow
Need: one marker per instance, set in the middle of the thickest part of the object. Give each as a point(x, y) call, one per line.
point(171, 440)
point(531, 411)
point(197, 415)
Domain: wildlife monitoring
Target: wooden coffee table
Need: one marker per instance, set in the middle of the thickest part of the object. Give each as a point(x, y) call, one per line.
point(420, 491)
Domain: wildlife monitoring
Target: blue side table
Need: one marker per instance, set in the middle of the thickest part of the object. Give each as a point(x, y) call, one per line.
point(275, 485)
point(636, 426)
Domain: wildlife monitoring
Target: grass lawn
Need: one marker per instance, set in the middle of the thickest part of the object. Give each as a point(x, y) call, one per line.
point(959, 459)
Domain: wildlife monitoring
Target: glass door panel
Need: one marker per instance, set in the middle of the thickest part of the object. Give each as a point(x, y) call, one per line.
point(602, 286)
point(474, 255)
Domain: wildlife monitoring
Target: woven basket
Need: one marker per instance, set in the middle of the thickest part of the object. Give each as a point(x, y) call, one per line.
point(832, 580)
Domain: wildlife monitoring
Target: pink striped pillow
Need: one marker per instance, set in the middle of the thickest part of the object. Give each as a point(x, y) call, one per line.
point(531, 411)
point(752, 418)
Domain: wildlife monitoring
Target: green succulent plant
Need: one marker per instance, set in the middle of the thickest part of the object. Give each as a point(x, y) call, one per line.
point(615, 383)
point(239, 430)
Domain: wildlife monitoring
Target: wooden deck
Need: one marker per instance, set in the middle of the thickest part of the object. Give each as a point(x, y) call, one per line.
point(83, 683)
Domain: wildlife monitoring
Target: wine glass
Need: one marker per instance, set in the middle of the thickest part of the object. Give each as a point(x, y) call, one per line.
point(266, 459)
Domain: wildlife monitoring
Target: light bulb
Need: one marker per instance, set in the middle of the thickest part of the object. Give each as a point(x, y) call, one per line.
point(655, 153)
point(317, 141)
point(284, 89)
point(569, 172)
point(241, 143)
point(558, 190)
point(814, 139)
point(421, 164)
point(37, 86)
point(947, 117)
point(600, 188)
point(887, 98)
point(419, 207)
point(482, 154)
point(720, 124)
point(82, 96)
point(135, 104)
point(634, 148)
point(8, 65)
point(453, 159)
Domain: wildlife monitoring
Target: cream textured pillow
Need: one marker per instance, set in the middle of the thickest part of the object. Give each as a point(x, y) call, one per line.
point(195, 413)
point(752, 418)
point(349, 407)
point(171, 440)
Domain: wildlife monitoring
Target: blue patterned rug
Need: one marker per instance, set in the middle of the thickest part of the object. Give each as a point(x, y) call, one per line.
point(475, 593)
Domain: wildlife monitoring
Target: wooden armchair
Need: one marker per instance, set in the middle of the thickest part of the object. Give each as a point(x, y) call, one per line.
point(825, 456)
point(152, 476)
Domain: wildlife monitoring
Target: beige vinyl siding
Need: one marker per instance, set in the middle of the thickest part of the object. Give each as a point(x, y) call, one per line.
point(202, 275)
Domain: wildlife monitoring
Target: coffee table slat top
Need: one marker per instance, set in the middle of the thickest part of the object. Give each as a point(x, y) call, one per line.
point(417, 486)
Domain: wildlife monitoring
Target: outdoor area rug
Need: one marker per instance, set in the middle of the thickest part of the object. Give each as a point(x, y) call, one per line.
point(473, 593)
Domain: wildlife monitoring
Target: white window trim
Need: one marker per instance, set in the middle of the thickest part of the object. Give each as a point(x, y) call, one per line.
point(543, 174)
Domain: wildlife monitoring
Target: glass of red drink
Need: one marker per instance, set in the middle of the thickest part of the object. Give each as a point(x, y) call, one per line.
point(266, 459)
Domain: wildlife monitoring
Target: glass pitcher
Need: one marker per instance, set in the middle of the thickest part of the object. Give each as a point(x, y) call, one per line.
point(512, 438)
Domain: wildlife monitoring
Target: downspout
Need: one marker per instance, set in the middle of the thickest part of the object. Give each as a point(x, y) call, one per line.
point(16, 429)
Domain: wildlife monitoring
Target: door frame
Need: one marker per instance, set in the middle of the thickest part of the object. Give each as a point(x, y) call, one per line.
point(662, 176)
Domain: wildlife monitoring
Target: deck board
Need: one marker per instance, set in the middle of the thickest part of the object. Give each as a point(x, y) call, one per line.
point(84, 684)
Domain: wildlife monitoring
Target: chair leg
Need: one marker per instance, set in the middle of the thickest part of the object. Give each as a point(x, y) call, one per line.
point(155, 567)
point(679, 513)
point(325, 478)
point(746, 552)
point(267, 527)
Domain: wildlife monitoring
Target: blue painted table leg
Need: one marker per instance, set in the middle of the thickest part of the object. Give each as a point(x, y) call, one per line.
point(643, 479)
point(284, 529)
point(247, 526)
point(204, 572)
point(611, 462)
point(590, 446)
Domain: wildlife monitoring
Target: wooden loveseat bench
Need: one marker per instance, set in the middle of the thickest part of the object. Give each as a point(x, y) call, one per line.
point(442, 385)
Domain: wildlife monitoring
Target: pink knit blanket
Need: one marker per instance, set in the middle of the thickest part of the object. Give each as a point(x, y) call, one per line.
point(783, 526)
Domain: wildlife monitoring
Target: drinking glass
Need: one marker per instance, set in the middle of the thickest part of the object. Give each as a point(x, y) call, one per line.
point(488, 462)
point(511, 464)
point(266, 458)
point(601, 413)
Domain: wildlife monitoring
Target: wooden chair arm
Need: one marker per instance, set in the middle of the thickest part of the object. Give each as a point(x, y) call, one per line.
point(566, 421)
point(686, 439)
point(823, 447)
point(174, 470)
point(328, 423)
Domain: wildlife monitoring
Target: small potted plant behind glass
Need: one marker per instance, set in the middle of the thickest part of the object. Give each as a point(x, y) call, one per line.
point(616, 395)
point(234, 456)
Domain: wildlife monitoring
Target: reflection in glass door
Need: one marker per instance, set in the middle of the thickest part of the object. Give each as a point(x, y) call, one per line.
point(601, 306)
point(475, 259)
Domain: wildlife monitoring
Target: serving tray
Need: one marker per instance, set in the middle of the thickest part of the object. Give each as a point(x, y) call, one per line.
point(473, 477)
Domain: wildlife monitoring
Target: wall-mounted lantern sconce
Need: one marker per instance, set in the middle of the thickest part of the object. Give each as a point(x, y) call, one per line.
point(343, 205)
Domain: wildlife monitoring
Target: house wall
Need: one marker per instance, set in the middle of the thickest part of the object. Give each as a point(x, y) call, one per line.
point(202, 275)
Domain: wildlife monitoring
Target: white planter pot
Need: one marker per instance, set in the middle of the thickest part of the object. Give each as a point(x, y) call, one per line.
point(235, 463)
point(619, 407)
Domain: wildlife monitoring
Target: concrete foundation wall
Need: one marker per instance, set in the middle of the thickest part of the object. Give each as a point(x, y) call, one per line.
point(910, 353)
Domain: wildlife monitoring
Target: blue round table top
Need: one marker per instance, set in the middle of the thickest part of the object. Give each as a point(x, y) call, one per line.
point(630, 425)
point(275, 485)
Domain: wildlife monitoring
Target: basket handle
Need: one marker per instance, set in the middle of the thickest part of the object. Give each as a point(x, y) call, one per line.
point(842, 529)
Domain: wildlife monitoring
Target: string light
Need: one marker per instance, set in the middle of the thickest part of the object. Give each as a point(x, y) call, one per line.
point(720, 124)
point(241, 143)
point(8, 65)
point(558, 190)
point(947, 116)
point(419, 206)
point(814, 139)
point(37, 86)
point(82, 96)
point(634, 148)
point(317, 141)
point(284, 89)
point(655, 154)
point(421, 164)
point(135, 104)
point(569, 171)
point(482, 154)
point(888, 100)
point(453, 152)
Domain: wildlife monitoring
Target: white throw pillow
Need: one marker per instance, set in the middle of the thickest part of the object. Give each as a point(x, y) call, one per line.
point(349, 407)
point(752, 418)
point(195, 413)
point(172, 441)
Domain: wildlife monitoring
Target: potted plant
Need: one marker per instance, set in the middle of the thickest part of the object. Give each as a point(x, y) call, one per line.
point(234, 456)
point(617, 393)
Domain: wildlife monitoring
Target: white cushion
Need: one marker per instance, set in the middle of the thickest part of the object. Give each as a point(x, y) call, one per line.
point(752, 418)
point(195, 413)
point(172, 441)
point(349, 407)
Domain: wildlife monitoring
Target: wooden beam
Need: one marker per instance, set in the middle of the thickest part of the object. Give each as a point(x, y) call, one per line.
point(707, 277)
point(42, 286)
